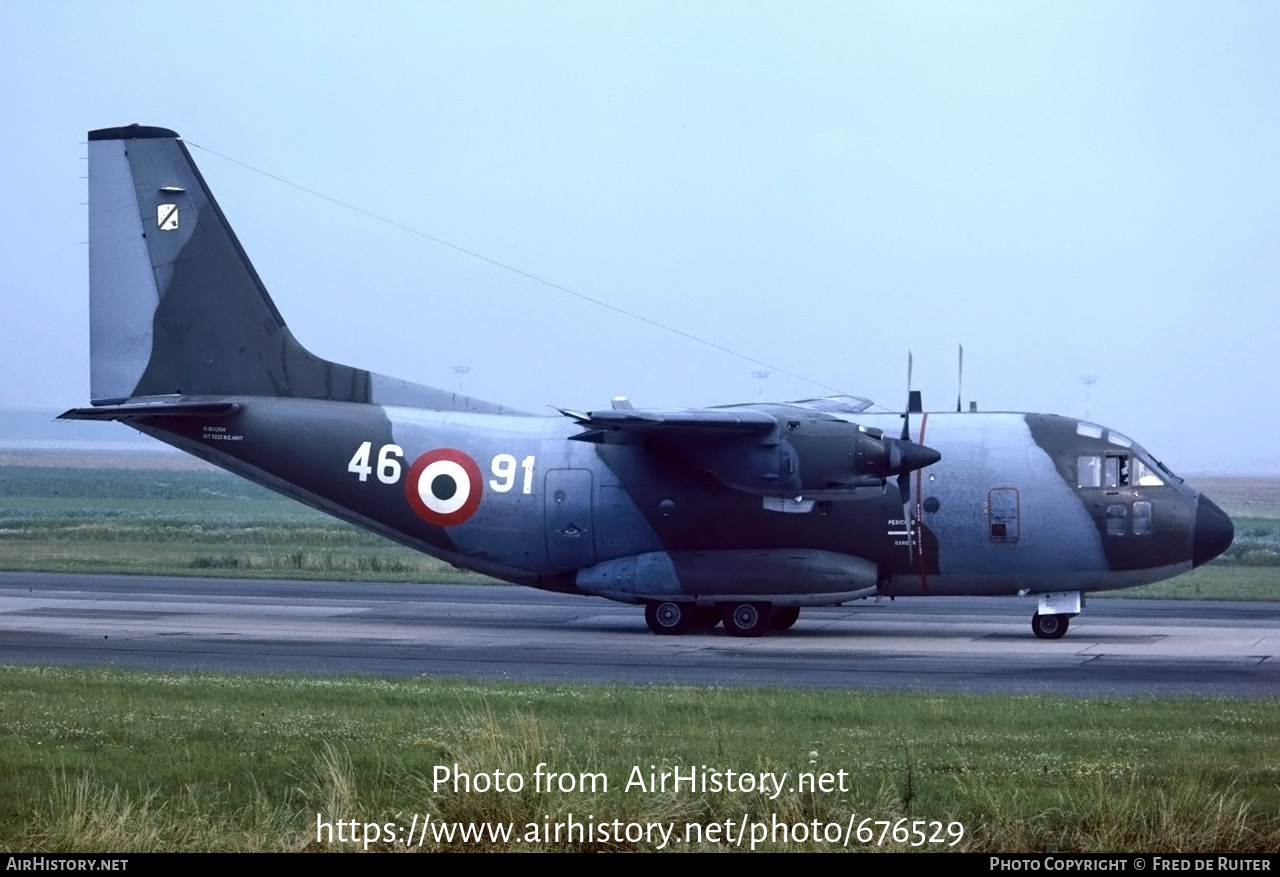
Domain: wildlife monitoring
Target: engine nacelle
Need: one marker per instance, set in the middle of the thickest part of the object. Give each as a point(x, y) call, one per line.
point(818, 458)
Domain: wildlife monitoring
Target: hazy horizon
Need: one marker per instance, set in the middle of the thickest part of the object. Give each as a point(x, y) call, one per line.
point(1070, 191)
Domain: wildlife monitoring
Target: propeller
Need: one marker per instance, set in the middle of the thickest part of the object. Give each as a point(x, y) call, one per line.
point(905, 456)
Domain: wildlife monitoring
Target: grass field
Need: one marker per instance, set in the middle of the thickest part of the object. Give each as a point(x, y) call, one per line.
point(111, 761)
point(184, 521)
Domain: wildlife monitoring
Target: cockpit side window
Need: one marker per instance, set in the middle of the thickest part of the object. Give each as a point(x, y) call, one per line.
point(1115, 470)
point(1089, 470)
point(1146, 476)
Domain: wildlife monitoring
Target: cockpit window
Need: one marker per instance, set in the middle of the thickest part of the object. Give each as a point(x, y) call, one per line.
point(1089, 470)
point(1115, 470)
point(1166, 470)
point(1147, 476)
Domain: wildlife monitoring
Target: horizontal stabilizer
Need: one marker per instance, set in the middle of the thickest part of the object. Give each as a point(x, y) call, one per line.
point(136, 410)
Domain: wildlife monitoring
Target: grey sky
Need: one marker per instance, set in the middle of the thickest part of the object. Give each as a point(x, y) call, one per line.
point(1066, 189)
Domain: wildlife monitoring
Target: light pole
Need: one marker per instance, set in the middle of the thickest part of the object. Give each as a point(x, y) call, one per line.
point(1088, 381)
point(761, 377)
point(461, 370)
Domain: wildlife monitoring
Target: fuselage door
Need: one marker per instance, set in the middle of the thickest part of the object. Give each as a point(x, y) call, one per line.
point(1004, 516)
point(570, 530)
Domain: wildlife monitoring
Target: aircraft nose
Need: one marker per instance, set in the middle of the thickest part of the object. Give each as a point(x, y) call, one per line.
point(1213, 533)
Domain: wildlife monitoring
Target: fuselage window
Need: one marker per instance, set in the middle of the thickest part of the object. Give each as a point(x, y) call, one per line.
point(1089, 470)
point(1141, 517)
point(1116, 523)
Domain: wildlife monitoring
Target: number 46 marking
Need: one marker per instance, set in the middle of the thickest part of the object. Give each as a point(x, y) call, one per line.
point(388, 463)
point(388, 467)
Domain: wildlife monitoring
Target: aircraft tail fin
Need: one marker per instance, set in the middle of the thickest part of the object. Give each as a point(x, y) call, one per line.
point(176, 307)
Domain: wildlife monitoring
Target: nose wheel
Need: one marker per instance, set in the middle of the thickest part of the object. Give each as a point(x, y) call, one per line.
point(1050, 626)
point(1055, 612)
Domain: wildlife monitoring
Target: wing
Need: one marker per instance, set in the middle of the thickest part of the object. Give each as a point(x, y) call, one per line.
point(673, 421)
point(769, 450)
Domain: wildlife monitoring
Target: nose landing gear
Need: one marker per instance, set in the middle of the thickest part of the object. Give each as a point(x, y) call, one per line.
point(1055, 613)
point(1050, 626)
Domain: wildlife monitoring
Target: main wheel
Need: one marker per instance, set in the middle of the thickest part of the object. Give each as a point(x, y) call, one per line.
point(747, 619)
point(1050, 626)
point(784, 617)
point(668, 617)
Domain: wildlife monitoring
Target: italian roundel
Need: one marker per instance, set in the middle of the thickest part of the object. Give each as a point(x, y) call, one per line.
point(444, 487)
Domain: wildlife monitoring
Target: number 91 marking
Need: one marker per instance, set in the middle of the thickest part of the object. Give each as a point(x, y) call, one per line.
point(504, 468)
point(388, 467)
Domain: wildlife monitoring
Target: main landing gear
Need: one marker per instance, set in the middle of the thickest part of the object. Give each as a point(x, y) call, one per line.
point(747, 619)
point(1055, 613)
point(669, 618)
point(673, 617)
point(784, 617)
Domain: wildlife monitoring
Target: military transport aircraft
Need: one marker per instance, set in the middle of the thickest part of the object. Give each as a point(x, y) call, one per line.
point(740, 514)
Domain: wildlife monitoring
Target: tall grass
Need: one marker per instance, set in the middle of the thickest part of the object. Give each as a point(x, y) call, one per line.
point(110, 761)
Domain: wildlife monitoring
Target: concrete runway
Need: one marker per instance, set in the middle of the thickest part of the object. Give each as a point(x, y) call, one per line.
point(1117, 647)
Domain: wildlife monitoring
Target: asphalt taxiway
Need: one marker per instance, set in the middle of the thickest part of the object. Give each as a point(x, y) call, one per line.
point(1118, 647)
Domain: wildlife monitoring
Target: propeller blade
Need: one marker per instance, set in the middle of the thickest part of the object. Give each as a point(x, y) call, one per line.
point(906, 415)
point(908, 519)
point(906, 456)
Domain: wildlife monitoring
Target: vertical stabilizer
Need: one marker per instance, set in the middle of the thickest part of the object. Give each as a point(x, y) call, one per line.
point(175, 305)
point(176, 308)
